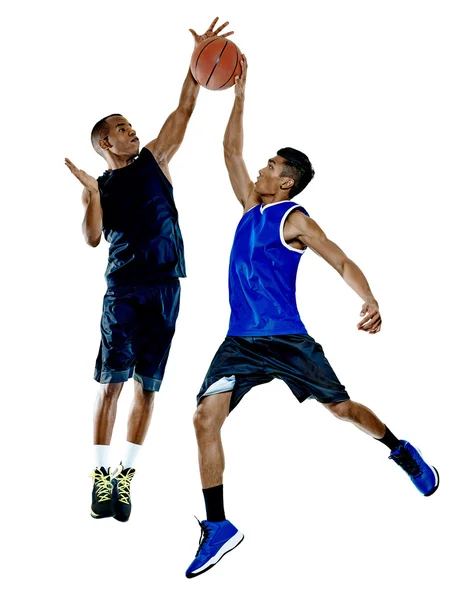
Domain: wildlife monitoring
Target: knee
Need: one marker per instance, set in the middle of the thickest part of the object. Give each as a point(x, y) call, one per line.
point(205, 422)
point(109, 392)
point(341, 410)
point(142, 395)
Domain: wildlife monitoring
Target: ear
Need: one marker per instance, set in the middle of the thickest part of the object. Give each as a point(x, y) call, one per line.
point(104, 144)
point(287, 184)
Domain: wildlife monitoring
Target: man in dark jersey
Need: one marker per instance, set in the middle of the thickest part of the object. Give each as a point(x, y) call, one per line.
point(266, 337)
point(132, 204)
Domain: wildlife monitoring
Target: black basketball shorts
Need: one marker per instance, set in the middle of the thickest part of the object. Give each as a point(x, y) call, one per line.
point(241, 363)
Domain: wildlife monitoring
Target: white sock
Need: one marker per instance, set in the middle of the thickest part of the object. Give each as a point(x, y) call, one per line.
point(101, 456)
point(130, 454)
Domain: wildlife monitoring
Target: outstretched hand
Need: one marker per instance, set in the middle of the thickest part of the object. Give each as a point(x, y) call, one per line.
point(89, 182)
point(210, 33)
point(240, 80)
point(372, 320)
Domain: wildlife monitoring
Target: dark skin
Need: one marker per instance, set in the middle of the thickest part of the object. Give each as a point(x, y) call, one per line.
point(119, 148)
point(299, 232)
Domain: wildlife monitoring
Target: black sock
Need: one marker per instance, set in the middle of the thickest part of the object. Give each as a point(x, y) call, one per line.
point(389, 440)
point(213, 497)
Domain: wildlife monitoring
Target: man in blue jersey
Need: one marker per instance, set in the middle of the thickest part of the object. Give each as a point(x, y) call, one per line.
point(266, 337)
point(132, 204)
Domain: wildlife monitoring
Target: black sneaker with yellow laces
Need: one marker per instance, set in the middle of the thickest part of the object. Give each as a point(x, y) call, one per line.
point(102, 505)
point(121, 492)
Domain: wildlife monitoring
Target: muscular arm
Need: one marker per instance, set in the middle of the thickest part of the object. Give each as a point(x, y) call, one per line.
point(172, 133)
point(233, 148)
point(93, 217)
point(307, 231)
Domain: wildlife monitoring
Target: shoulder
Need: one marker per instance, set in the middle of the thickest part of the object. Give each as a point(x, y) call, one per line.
point(296, 212)
point(103, 179)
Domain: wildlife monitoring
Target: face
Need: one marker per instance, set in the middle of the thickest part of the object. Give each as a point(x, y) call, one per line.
point(269, 181)
point(122, 139)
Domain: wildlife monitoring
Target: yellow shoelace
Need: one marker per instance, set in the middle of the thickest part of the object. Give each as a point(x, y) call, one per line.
point(123, 486)
point(104, 486)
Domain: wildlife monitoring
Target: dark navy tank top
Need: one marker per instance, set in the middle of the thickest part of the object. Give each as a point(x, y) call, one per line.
point(140, 222)
point(262, 274)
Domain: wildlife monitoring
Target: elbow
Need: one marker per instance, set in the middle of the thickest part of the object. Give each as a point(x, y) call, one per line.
point(92, 240)
point(342, 266)
point(93, 243)
point(230, 152)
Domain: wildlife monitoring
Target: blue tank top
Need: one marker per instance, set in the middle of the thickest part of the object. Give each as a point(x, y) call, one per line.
point(140, 222)
point(262, 274)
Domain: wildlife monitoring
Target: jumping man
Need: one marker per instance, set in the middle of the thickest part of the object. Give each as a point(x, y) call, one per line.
point(132, 204)
point(267, 338)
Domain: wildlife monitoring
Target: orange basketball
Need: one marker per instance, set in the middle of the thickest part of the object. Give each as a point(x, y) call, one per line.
point(215, 63)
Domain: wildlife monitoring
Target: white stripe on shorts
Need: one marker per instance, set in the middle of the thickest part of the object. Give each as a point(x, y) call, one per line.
point(225, 384)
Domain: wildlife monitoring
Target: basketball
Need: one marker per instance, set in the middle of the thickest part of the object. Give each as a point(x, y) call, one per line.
point(215, 63)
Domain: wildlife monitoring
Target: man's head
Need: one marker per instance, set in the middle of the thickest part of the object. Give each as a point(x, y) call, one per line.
point(114, 134)
point(289, 170)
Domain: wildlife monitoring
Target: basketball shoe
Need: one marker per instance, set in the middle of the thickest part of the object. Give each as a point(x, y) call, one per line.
point(121, 492)
point(217, 539)
point(424, 476)
point(101, 494)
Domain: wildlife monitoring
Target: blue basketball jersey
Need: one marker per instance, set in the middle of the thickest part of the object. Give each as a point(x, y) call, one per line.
point(262, 274)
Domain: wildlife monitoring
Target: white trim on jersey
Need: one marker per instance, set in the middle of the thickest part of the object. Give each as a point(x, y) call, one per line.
point(262, 207)
point(281, 229)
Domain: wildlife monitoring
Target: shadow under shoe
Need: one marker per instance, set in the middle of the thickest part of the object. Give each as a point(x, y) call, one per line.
point(121, 492)
point(102, 505)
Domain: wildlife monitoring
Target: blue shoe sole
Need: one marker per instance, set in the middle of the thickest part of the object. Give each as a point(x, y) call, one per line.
point(191, 575)
point(436, 487)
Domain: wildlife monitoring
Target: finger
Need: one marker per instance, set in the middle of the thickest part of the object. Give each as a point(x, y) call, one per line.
point(194, 33)
point(364, 321)
point(368, 326)
point(221, 27)
point(226, 34)
point(212, 25)
point(372, 319)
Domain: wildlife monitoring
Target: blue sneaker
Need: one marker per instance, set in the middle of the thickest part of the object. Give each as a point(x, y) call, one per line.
point(424, 476)
point(217, 539)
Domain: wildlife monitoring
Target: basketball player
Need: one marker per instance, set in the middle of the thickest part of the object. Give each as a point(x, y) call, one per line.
point(132, 204)
point(266, 337)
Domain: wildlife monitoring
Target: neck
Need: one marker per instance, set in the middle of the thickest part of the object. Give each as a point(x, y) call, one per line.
point(274, 198)
point(116, 161)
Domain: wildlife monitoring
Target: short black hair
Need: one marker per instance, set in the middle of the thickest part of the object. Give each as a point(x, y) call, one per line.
point(101, 130)
point(298, 167)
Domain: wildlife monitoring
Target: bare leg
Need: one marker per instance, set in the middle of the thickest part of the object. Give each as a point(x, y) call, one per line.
point(359, 415)
point(140, 414)
point(208, 420)
point(105, 411)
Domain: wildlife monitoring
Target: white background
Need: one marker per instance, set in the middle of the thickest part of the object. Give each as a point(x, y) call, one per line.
point(361, 88)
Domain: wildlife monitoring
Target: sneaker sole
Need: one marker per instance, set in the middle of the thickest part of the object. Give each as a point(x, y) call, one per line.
point(232, 543)
point(95, 516)
point(437, 477)
point(438, 483)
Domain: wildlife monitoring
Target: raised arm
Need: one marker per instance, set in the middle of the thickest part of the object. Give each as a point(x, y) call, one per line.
point(307, 231)
point(172, 133)
point(233, 147)
point(93, 216)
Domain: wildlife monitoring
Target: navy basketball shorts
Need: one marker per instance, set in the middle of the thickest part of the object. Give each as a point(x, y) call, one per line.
point(241, 363)
point(137, 327)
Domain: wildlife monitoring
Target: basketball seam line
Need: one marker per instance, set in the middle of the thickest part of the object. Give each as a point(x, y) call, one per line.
point(202, 50)
point(235, 66)
point(216, 62)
